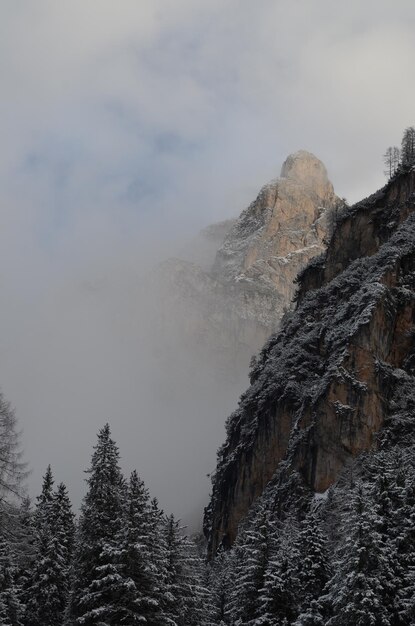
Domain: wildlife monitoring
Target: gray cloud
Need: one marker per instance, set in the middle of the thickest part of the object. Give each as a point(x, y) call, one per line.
point(125, 128)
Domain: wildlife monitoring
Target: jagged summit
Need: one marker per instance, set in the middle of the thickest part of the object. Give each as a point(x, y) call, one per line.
point(305, 168)
point(282, 229)
point(236, 304)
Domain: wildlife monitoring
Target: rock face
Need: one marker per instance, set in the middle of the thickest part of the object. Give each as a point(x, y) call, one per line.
point(282, 229)
point(324, 386)
point(233, 307)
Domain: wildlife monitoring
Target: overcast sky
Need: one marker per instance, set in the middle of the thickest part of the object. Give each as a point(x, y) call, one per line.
point(125, 127)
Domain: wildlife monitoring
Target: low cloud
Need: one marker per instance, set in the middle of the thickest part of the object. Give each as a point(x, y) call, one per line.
point(125, 128)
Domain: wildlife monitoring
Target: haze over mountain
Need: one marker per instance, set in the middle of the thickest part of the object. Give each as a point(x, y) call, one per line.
point(124, 132)
point(127, 129)
point(226, 310)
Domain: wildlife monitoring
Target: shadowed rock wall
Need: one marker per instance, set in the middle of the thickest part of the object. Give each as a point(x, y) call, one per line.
point(319, 394)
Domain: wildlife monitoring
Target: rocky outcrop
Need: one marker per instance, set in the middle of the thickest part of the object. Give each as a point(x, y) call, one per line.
point(233, 307)
point(331, 380)
point(282, 229)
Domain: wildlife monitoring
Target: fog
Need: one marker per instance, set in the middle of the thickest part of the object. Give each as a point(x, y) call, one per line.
point(126, 128)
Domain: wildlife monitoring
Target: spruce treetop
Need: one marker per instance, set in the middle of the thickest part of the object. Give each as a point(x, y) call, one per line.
point(105, 470)
point(47, 487)
point(102, 505)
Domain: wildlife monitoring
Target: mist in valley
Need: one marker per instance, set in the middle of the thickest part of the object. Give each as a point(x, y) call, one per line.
point(125, 131)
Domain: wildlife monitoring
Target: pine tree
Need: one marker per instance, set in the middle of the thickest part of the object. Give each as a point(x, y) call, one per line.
point(405, 547)
point(387, 503)
point(256, 543)
point(183, 606)
point(137, 585)
point(312, 616)
point(12, 472)
point(63, 522)
point(312, 566)
point(12, 469)
point(26, 550)
point(358, 589)
point(44, 500)
point(62, 546)
point(396, 159)
point(277, 597)
point(199, 599)
point(159, 563)
point(11, 609)
point(97, 580)
point(408, 147)
point(48, 589)
point(391, 159)
point(39, 602)
point(221, 584)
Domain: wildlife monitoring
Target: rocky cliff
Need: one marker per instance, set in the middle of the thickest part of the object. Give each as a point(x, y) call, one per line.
point(333, 381)
point(232, 307)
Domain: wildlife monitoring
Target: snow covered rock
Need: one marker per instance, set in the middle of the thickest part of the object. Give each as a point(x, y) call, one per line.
point(340, 370)
point(233, 307)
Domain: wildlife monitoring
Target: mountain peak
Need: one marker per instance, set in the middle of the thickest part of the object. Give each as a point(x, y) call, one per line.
point(284, 226)
point(305, 168)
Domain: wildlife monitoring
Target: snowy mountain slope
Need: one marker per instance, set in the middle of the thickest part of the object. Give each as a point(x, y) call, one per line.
point(332, 378)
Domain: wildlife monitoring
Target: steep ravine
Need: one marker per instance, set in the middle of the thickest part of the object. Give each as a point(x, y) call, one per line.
point(324, 385)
